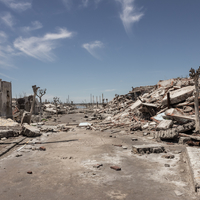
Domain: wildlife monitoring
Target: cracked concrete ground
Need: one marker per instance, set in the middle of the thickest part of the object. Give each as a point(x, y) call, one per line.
point(66, 169)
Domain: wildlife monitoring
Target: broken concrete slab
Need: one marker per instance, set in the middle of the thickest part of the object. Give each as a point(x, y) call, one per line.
point(166, 83)
point(190, 136)
point(179, 95)
point(136, 104)
point(176, 114)
point(30, 131)
point(164, 124)
point(166, 134)
point(7, 133)
point(147, 148)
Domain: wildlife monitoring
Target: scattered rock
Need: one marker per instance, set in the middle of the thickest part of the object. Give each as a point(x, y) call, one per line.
point(98, 165)
point(134, 139)
point(178, 193)
point(168, 156)
point(116, 168)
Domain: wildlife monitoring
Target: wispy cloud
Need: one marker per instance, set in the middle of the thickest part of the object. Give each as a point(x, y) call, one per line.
point(3, 36)
point(130, 14)
point(7, 19)
point(97, 2)
point(41, 47)
point(92, 47)
point(18, 5)
point(110, 90)
point(67, 3)
point(85, 3)
point(6, 54)
point(34, 26)
point(7, 76)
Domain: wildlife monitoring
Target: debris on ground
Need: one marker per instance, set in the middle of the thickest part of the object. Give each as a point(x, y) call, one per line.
point(116, 168)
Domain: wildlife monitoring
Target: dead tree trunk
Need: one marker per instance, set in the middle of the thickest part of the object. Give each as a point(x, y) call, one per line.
point(33, 103)
point(40, 95)
point(56, 101)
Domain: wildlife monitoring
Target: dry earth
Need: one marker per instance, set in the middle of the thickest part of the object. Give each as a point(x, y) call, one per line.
point(66, 169)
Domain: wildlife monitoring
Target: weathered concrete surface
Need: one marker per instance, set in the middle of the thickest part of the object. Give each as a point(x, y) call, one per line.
point(179, 95)
point(194, 163)
point(10, 146)
point(164, 124)
point(148, 148)
point(66, 170)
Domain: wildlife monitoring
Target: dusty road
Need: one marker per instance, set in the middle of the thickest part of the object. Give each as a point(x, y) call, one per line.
point(66, 169)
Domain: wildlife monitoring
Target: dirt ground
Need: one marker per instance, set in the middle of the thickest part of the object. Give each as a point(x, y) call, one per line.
point(67, 169)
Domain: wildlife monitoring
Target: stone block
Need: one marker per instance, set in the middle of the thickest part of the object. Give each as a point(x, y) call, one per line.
point(164, 124)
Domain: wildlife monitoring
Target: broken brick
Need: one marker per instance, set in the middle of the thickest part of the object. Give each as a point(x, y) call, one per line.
point(42, 148)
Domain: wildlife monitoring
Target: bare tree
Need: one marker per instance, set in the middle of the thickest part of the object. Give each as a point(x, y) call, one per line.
point(40, 94)
point(56, 101)
point(195, 76)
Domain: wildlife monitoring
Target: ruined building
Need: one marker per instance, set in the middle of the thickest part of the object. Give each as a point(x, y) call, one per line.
point(26, 102)
point(5, 99)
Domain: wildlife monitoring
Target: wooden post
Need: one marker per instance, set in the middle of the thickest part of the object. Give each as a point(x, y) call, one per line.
point(195, 76)
point(168, 100)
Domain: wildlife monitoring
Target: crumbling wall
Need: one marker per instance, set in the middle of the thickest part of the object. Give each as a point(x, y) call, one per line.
point(26, 102)
point(5, 99)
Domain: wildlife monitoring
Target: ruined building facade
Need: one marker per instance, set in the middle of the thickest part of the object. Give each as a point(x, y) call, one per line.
point(5, 99)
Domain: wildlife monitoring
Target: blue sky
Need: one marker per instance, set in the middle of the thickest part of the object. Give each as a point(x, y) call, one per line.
point(83, 47)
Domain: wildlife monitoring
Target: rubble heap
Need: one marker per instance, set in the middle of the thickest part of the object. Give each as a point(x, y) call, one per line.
point(167, 109)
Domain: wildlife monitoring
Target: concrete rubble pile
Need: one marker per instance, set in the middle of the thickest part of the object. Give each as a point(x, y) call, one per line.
point(165, 110)
point(9, 128)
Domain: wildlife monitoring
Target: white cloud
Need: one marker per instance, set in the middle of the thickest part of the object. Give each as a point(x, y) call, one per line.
point(92, 47)
point(7, 19)
point(41, 47)
point(18, 5)
point(110, 90)
point(35, 25)
point(129, 14)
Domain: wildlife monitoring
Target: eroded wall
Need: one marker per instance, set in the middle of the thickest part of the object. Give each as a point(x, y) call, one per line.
point(5, 99)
